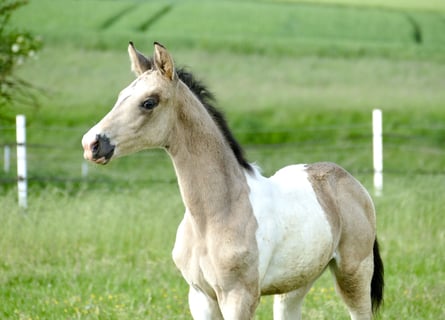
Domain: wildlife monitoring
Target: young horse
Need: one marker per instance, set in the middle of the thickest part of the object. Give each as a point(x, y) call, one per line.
point(243, 235)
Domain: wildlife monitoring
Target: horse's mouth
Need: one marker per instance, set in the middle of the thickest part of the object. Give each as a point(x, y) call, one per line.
point(102, 160)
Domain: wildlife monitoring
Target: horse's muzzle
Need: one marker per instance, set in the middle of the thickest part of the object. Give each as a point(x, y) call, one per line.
point(100, 150)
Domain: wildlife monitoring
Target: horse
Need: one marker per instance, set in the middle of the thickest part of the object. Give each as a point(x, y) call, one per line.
point(243, 235)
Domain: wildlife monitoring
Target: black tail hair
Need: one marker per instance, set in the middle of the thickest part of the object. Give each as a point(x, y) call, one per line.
point(377, 282)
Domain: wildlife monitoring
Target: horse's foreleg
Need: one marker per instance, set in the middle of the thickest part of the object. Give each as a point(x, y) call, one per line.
point(288, 305)
point(203, 307)
point(238, 304)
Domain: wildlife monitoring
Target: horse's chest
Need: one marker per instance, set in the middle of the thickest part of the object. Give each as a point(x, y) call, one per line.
point(187, 250)
point(191, 257)
point(215, 259)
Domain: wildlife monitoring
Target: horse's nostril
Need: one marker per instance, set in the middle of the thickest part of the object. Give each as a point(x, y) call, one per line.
point(102, 148)
point(95, 147)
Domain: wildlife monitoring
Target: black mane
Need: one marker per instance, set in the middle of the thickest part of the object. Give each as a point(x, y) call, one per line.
point(207, 99)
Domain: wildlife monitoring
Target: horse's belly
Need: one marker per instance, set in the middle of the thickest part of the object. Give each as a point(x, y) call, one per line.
point(294, 238)
point(296, 258)
point(293, 267)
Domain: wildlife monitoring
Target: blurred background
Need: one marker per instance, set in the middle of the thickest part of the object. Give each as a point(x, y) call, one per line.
point(297, 80)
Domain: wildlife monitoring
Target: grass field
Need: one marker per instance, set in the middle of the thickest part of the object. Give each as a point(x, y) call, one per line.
point(297, 87)
point(106, 255)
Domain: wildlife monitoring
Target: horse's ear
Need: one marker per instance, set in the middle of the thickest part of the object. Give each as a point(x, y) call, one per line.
point(139, 63)
point(164, 62)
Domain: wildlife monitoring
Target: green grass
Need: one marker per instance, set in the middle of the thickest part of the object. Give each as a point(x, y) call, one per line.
point(285, 28)
point(297, 87)
point(430, 5)
point(97, 254)
point(105, 254)
point(317, 105)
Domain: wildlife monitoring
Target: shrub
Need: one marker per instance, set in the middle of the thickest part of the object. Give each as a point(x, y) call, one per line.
point(15, 47)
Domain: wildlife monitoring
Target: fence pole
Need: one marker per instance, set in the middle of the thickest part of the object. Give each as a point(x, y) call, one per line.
point(84, 169)
point(22, 183)
point(377, 146)
point(6, 158)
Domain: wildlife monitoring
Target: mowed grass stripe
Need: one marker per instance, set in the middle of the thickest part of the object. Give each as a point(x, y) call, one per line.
point(289, 22)
point(243, 25)
point(424, 5)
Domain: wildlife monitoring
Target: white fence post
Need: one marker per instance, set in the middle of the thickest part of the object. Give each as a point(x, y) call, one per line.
point(6, 158)
point(22, 183)
point(84, 169)
point(377, 147)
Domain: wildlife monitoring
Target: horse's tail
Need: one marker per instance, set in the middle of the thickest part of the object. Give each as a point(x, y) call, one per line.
point(377, 282)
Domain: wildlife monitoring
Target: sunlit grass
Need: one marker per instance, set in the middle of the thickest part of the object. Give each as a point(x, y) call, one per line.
point(100, 247)
point(287, 27)
point(435, 5)
point(105, 253)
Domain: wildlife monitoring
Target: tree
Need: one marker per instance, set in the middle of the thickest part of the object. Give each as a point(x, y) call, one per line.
point(15, 47)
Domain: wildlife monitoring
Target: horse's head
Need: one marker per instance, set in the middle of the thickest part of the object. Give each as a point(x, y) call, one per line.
point(143, 115)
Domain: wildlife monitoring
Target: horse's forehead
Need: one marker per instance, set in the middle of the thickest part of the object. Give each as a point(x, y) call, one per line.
point(143, 82)
point(139, 86)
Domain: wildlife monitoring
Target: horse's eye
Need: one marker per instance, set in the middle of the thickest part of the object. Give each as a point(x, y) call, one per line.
point(150, 103)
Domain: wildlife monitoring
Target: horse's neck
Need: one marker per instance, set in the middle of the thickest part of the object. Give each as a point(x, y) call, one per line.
point(211, 181)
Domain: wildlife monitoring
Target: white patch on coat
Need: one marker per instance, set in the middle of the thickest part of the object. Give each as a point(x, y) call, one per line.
point(294, 237)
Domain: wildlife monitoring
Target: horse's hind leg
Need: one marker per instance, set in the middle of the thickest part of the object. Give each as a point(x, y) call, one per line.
point(353, 283)
point(288, 305)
